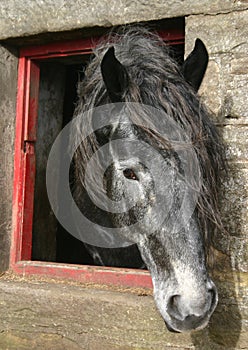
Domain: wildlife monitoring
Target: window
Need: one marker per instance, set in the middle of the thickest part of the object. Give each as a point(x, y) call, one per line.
point(47, 81)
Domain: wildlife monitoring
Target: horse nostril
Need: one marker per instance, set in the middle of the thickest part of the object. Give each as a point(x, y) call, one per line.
point(192, 309)
point(213, 297)
point(174, 300)
point(173, 306)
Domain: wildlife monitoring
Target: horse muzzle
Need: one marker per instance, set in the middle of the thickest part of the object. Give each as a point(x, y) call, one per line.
point(185, 314)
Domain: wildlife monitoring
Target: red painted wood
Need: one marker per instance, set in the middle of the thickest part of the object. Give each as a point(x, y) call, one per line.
point(24, 162)
point(15, 252)
point(32, 99)
point(86, 274)
point(58, 49)
point(28, 201)
point(31, 119)
point(174, 37)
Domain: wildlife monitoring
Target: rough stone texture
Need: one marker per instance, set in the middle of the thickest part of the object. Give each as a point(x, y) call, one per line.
point(39, 314)
point(236, 140)
point(71, 317)
point(227, 71)
point(224, 90)
point(19, 18)
point(225, 85)
point(8, 81)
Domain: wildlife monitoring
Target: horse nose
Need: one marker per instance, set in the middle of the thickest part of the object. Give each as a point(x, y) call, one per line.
point(192, 312)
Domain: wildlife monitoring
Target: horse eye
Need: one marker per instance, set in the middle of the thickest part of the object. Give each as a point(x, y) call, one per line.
point(130, 174)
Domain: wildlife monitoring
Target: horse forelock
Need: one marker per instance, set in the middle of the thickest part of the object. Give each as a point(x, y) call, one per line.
point(156, 80)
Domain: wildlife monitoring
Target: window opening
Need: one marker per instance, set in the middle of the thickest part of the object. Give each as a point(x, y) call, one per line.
point(48, 78)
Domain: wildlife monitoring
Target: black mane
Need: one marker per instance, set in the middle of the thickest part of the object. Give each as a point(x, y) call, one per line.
point(156, 80)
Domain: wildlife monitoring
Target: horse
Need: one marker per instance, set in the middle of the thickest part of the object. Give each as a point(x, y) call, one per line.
point(131, 68)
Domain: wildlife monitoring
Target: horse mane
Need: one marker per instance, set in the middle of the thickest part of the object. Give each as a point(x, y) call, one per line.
point(156, 80)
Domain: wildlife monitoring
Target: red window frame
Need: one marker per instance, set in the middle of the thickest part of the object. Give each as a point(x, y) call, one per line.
point(24, 172)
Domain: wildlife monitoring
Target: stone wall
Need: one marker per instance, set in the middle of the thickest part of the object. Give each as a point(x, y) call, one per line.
point(223, 26)
point(8, 84)
point(224, 90)
point(22, 18)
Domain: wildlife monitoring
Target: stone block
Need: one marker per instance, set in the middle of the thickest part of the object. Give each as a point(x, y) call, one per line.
point(8, 82)
point(85, 318)
point(234, 87)
point(229, 250)
point(234, 201)
point(239, 253)
point(236, 141)
point(222, 33)
point(210, 89)
point(58, 315)
point(22, 18)
point(224, 87)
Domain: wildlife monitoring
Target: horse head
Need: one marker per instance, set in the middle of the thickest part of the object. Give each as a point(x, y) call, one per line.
point(184, 293)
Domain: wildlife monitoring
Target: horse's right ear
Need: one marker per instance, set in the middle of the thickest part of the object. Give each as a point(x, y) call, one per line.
point(114, 76)
point(195, 65)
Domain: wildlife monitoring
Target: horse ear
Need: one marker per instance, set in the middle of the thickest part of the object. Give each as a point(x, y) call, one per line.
point(195, 65)
point(114, 76)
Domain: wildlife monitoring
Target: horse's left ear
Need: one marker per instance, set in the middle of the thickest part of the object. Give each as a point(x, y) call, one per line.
point(114, 76)
point(195, 65)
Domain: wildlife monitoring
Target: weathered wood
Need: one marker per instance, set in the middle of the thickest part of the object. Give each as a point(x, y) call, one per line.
point(38, 313)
